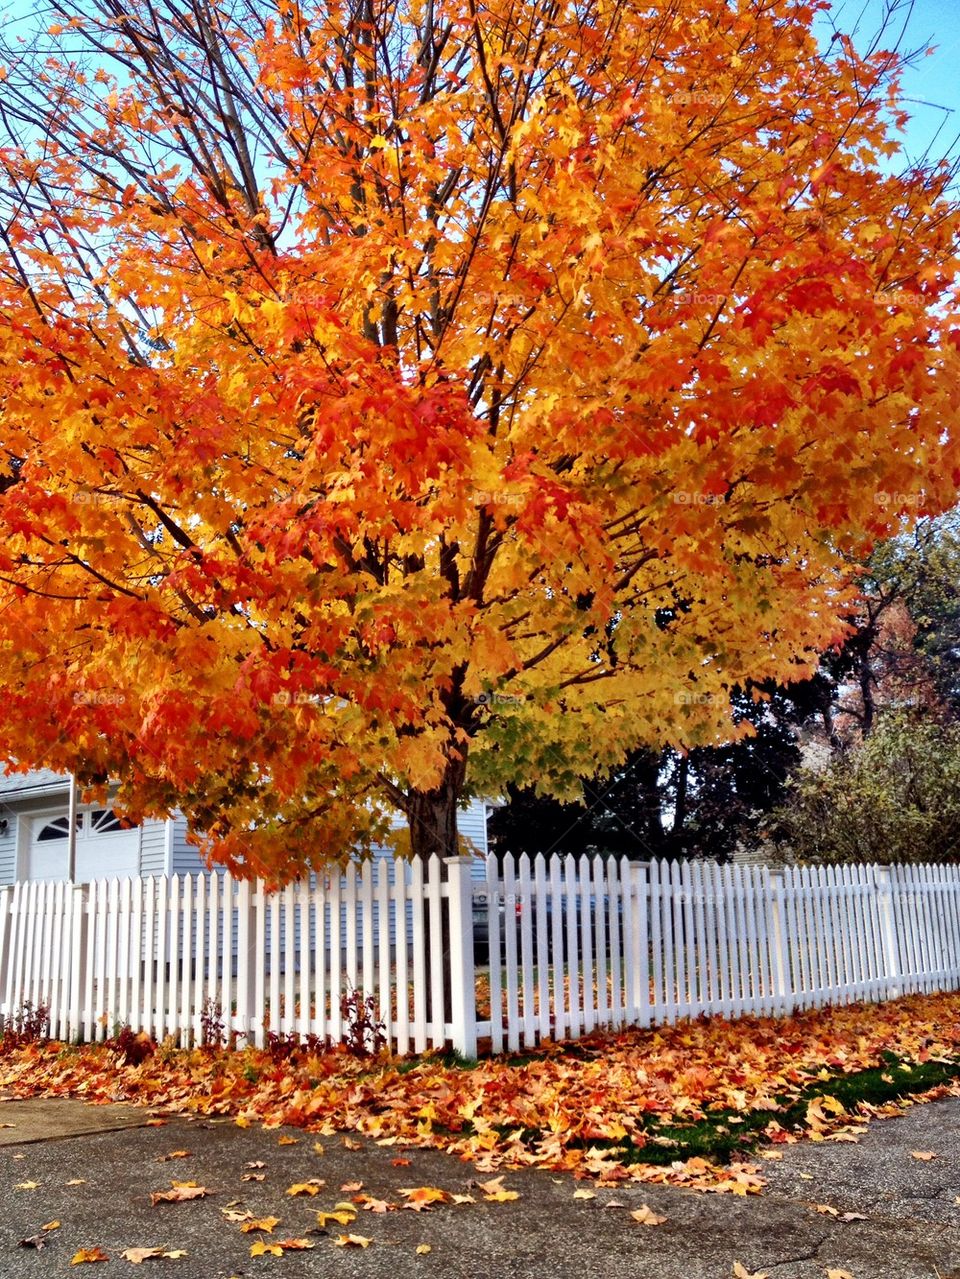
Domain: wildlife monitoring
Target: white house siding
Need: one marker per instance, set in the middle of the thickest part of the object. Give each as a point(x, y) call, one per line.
point(8, 849)
point(153, 847)
point(163, 844)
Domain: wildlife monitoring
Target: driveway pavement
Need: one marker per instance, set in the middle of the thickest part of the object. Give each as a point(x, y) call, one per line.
point(894, 1216)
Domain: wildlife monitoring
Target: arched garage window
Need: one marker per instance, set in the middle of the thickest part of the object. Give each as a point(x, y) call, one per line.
point(57, 829)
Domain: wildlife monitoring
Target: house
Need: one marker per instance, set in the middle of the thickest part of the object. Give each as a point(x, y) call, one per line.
point(34, 829)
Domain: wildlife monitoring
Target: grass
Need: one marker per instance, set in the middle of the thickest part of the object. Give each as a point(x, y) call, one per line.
point(729, 1134)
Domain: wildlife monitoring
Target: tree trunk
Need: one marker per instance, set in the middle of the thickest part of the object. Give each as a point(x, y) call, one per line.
point(432, 814)
point(432, 819)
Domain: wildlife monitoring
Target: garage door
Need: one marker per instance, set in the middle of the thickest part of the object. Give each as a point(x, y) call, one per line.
point(105, 849)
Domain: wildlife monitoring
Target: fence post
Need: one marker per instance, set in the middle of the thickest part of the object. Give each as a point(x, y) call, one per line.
point(5, 895)
point(463, 1003)
point(888, 932)
point(783, 998)
point(250, 961)
point(78, 950)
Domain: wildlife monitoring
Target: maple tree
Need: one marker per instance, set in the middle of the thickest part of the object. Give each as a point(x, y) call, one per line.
point(402, 396)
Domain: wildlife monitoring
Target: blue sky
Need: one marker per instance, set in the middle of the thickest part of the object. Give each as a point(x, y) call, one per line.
point(932, 87)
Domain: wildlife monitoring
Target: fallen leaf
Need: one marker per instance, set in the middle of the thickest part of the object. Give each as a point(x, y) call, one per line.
point(369, 1204)
point(741, 1272)
point(288, 1141)
point(350, 1186)
point(295, 1245)
point(83, 1256)
point(422, 1249)
point(76, 1181)
point(771, 1154)
point(51, 1225)
point(400, 1163)
point(925, 1155)
point(34, 1241)
point(236, 1214)
point(174, 1154)
point(254, 1163)
point(614, 1203)
point(494, 1192)
point(462, 1199)
point(136, 1256)
point(852, 1216)
point(306, 1187)
point(839, 1274)
point(419, 1198)
point(253, 1176)
point(350, 1144)
point(584, 1194)
point(155, 1123)
point(265, 1248)
point(265, 1224)
point(826, 1210)
point(647, 1217)
point(181, 1191)
point(806, 1176)
point(27, 1185)
point(341, 1218)
point(318, 1148)
point(352, 1241)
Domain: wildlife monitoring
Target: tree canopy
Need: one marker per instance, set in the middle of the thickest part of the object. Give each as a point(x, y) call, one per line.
point(400, 398)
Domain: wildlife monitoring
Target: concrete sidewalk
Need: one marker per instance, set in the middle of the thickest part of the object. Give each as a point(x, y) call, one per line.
point(910, 1225)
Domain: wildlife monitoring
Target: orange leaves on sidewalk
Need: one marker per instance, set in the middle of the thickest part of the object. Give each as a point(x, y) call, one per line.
point(548, 1112)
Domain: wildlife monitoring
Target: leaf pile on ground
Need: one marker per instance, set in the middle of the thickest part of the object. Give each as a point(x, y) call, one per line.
point(683, 1104)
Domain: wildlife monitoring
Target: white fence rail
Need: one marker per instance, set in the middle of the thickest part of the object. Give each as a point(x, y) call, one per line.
point(566, 946)
point(589, 943)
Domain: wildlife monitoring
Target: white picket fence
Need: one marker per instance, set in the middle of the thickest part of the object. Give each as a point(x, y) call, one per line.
point(575, 945)
point(593, 943)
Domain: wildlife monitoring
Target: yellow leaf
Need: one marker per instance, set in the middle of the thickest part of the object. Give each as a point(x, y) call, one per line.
point(305, 1188)
point(288, 1141)
point(494, 1191)
point(264, 1248)
point(419, 1198)
point(647, 1217)
point(51, 1225)
point(341, 1218)
point(260, 1223)
point(584, 1194)
point(925, 1155)
point(27, 1185)
point(422, 1249)
point(741, 1272)
point(839, 1274)
point(84, 1256)
point(832, 1106)
point(826, 1210)
point(352, 1241)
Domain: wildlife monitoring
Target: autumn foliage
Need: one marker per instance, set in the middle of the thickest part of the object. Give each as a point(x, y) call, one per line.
point(402, 398)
